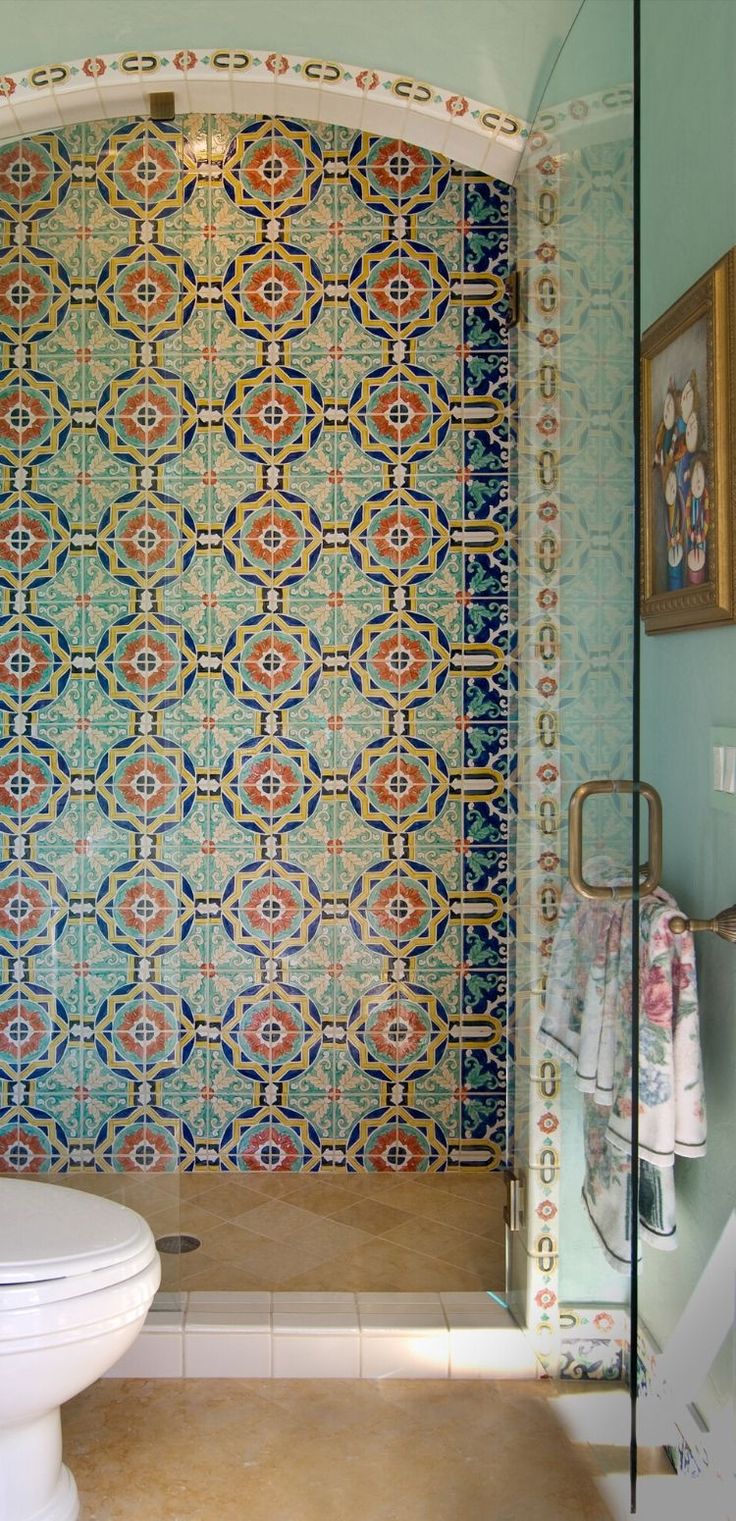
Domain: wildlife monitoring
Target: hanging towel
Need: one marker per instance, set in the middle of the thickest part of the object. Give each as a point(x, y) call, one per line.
point(587, 1022)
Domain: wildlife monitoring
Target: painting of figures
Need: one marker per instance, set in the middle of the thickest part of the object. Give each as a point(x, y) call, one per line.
point(686, 466)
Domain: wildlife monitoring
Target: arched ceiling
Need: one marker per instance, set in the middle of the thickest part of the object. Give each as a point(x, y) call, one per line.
point(496, 51)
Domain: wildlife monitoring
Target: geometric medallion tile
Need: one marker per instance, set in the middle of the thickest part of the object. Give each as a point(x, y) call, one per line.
point(146, 784)
point(395, 178)
point(34, 295)
point(34, 785)
point(273, 168)
point(400, 1140)
point(144, 539)
point(271, 662)
point(35, 177)
point(34, 1030)
point(144, 1031)
point(146, 662)
point(397, 1032)
point(271, 1140)
point(145, 416)
point(270, 296)
point(399, 908)
point(276, 414)
point(271, 909)
point(398, 784)
point(272, 1032)
point(35, 663)
point(257, 565)
point(399, 288)
point(399, 537)
point(146, 293)
point(399, 414)
point(33, 908)
point(145, 908)
point(271, 784)
point(34, 418)
point(272, 539)
point(400, 659)
point(34, 539)
point(143, 171)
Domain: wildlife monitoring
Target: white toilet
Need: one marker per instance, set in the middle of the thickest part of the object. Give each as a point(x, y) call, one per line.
point(77, 1277)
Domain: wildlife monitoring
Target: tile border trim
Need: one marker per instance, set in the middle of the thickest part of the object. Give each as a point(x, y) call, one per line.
point(479, 136)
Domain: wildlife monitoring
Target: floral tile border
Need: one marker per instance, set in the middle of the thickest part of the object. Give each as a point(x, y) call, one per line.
point(475, 134)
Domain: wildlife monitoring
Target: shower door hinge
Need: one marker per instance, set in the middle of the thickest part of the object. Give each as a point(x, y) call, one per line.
point(513, 296)
point(514, 1209)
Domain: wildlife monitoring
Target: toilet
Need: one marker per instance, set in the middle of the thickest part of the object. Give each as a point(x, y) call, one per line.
point(77, 1277)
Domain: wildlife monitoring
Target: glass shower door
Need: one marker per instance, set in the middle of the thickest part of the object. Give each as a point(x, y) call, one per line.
point(569, 1264)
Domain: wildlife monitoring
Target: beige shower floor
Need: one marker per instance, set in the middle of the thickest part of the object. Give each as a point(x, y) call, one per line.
point(313, 1450)
point(357, 1232)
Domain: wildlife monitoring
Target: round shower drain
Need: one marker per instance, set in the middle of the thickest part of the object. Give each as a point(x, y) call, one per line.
point(175, 1245)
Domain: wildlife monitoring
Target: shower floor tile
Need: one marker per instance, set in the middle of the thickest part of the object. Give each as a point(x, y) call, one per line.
point(321, 1450)
point(315, 1232)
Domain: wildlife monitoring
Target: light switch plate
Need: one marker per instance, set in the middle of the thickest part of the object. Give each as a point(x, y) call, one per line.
point(723, 770)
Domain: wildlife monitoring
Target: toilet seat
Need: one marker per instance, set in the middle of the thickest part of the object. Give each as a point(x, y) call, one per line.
point(57, 1243)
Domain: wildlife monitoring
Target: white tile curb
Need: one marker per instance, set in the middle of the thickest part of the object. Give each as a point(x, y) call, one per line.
point(263, 1335)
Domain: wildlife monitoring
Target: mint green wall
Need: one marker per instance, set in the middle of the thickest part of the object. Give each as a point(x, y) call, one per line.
point(494, 50)
point(689, 680)
point(597, 54)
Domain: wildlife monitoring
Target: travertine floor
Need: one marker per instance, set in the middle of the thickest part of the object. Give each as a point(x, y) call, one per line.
point(356, 1232)
point(307, 1450)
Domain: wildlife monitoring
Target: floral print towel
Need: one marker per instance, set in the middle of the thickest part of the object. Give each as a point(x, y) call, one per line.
point(587, 1021)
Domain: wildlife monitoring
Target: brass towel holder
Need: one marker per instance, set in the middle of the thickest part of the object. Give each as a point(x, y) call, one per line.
point(724, 924)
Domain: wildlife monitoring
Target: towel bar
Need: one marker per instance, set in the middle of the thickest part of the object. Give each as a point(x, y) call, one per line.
point(724, 924)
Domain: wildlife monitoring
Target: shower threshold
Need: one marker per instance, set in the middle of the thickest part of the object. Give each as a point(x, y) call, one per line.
point(261, 1334)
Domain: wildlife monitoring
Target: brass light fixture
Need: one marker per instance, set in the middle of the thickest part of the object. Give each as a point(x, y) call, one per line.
point(162, 106)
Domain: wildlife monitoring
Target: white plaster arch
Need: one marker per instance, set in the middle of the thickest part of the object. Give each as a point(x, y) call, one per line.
point(57, 95)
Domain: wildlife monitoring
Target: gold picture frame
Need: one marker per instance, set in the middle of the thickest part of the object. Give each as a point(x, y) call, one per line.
point(688, 476)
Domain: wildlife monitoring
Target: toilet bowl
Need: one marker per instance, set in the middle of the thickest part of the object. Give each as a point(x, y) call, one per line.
point(77, 1277)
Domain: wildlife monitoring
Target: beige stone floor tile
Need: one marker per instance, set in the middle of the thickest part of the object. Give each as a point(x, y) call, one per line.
point(445, 1244)
point(189, 1220)
point(297, 1450)
point(384, 1266)
point(223, 1195)
point(375, 1216)
point(260, 1258)
point(201, 1272)
point(321, 1198)
point(464, 1215)
point(324, 1224)
point(231, 1242)
point(331, 1237)
point(467, 1183)
point(277, 1219)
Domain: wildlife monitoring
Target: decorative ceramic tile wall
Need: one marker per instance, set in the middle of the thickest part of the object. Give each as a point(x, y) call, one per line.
point(254, 663)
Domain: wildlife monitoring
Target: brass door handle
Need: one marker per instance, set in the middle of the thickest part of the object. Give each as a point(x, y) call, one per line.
point(653, 876)
point(724, 924)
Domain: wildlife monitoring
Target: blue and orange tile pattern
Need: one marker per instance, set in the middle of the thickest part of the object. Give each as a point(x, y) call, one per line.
point(256, 651)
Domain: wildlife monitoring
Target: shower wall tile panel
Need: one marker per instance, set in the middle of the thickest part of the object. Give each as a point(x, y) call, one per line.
point(255, 653)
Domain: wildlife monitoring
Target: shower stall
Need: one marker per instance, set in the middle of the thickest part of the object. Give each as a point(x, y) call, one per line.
point(317, 553)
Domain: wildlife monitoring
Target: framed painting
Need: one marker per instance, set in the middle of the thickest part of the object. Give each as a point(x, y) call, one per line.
point(688, 417)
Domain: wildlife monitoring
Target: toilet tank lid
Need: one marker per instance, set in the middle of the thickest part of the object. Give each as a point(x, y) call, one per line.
point(50, 1232)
